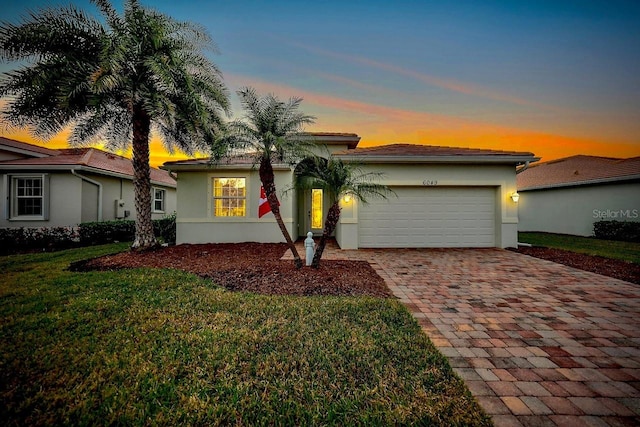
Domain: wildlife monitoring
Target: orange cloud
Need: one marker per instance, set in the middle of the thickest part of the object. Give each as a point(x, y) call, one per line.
point(378, 124)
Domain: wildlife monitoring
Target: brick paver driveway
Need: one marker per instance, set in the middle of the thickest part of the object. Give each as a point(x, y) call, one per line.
point(537, 343)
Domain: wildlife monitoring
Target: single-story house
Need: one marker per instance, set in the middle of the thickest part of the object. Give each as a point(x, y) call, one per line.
point(568, 195)
point(444, 197)
point(43, 187)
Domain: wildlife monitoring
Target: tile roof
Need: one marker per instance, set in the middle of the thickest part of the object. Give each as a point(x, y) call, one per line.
point(23, 146)
point(206, 161)
point(91, 158)
point(384, 152)
point(342, 134)
point(243, 161)
point(578, 170)
point(334, 138)
point(411, 150)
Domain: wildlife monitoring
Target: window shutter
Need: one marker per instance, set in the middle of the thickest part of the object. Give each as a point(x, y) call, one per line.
point(6, 185)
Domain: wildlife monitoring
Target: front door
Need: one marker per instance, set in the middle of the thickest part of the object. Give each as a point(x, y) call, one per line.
point(314, 211)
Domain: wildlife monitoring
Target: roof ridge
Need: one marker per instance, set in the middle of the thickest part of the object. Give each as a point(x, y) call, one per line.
point(321, 133)
point(90, 152)
point(629, 159)
point(94, 159)
point(429, 145)
point(86, 157)
point(14, 143)
point(575, 156)
point(438, 150)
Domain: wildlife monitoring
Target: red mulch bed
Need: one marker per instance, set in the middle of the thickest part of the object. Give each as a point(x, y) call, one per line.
point(254, 267)
point(618, 269)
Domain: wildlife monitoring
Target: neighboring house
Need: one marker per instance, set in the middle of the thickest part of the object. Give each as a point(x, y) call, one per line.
point(444, 197)
point(51, 188)
point(568, 195)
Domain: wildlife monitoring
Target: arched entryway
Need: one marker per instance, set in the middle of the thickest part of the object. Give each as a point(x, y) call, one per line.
point(313, 205)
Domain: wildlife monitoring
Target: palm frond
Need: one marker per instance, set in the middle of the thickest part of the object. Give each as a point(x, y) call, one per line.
point(109, 13)
point(338, 179)
point(141, 57)
point(272, 128)
point(107, 124)
point(48, 33)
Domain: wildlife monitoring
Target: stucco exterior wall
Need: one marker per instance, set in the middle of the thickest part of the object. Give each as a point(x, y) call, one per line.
point(196, 222)
point(114, 188)
point(573, 210)
point(347, 228)
point(170, 204)
point(73, 200)
point(64, 198)
point(89, 210)
point(502, 177)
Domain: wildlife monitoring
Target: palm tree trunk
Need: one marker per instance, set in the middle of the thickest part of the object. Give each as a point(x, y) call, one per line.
point(144, 237)
point(268, 183)
point(333, 216)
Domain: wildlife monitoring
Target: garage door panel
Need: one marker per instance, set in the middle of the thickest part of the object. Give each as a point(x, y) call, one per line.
point(430, 217)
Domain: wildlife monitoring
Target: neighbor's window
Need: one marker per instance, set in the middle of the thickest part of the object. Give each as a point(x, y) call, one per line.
point(158, 199)
point(229, 196)
point(28, 197)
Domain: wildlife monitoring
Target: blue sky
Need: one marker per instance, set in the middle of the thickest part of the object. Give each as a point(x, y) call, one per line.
point(553, 77)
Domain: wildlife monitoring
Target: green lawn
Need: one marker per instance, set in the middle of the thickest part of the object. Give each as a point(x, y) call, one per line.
point(163, 347)
point(627, 251)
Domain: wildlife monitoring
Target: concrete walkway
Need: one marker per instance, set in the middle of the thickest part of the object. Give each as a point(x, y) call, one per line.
point(537, 343)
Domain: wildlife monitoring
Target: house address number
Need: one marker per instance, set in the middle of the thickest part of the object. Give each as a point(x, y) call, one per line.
point(430, 182)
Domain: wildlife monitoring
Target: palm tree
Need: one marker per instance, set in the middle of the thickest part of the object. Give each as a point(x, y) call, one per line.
point(337, 179)
point(271, 131)
point(114, 82)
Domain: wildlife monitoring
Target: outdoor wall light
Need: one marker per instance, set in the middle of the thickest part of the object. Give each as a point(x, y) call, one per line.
point(347, 198)
point(515, 197)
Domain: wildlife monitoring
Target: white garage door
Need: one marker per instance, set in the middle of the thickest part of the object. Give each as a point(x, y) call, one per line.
point(436, 217)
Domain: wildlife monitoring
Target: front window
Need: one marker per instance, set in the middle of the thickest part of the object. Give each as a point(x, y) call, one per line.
point(229, 196)
point(158, 199)
point(28, 199)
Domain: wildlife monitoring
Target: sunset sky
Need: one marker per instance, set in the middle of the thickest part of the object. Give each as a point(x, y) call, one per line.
point(556, 78)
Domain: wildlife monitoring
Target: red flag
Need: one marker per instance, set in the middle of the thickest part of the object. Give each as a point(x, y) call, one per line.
point(263, 207)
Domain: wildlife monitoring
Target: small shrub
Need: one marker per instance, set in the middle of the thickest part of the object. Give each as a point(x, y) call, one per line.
point(626, 231)
point(97, 233)
point(41, 238)
point(26, 239)
point(165, 228)
point(10, 238)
